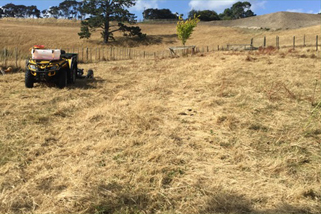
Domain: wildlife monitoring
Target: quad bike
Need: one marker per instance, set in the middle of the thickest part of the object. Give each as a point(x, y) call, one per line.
point(52, 66)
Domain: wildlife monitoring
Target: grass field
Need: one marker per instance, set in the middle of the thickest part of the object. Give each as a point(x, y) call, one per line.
point(222, 132)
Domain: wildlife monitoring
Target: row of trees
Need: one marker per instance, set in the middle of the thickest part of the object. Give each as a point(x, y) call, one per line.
point(73, 9)
point(237, 11)
point(19, 11)
point(67, 9)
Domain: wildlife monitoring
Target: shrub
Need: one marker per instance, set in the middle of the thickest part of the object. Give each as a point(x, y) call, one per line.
point(186, 28)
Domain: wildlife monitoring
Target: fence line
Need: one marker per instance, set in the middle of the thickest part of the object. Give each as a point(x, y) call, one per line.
point(16, 57)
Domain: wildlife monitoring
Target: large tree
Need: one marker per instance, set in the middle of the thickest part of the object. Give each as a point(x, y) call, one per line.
point(110, 16)
point(51, 12)
point(69, 8)
point(242, 10)
point(237, 11)
point(204, 15)
point(158, 14)
point(32, 11)
point(9, 10)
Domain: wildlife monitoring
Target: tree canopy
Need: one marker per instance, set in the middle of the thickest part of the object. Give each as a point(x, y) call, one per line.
point(110, 16)
point(237, 11)
point(204, 15)
point(158, 14)
point(19, 11)
point(70, 8)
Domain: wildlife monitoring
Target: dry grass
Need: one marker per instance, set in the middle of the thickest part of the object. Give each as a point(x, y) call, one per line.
point(232, 132)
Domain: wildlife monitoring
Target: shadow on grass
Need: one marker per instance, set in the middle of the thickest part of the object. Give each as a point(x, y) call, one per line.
point(133, 42)
point(231, 202)
point(85, 83)
point(121, 200)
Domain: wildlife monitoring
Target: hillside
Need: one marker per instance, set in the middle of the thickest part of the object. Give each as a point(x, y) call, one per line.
point(274, 21)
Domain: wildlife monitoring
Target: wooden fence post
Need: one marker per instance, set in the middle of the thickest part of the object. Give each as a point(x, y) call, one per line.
point(264, 42)
point(251, 43)
point(317, 43)
point(82, 54)
point(293, 42)
point(5, 57)
point(16, 56)
point(87, 54)
point(304, 40)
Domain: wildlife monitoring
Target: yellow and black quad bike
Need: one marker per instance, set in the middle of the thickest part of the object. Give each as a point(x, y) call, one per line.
point(51, 66)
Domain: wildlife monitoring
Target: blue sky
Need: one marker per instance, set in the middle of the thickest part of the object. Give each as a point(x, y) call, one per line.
point(259, 7)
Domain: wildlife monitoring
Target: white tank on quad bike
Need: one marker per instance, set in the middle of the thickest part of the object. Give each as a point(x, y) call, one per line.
point(45, 54)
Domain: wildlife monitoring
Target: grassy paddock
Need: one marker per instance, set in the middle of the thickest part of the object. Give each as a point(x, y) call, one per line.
point(64, 33)
point(215, 133)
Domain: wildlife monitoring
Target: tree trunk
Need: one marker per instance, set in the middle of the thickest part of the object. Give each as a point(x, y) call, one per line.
point(106, 30)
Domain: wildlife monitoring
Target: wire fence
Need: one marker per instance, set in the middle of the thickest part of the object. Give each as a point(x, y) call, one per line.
point(16, 57)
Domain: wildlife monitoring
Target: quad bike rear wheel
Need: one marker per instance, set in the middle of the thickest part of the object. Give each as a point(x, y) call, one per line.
point(72, 74)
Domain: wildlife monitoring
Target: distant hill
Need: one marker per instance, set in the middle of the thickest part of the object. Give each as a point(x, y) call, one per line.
point(274, 21)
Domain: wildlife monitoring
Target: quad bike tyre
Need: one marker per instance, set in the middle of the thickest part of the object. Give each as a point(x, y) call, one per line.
point(29, 79)
point(72, 74)
point(62, 79)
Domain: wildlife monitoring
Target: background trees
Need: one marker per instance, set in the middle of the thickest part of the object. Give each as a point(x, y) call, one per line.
point(19, 11)
point(159, 14)
point(70, 9)
point(237, 11)
point(204, 15)
point(73, 9)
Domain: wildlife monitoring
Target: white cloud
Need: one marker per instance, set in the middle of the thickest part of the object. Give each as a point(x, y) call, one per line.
point(257, 4)
point(217, 6)
point(295, 10)
point(221, 5)
point(301, 11)
point(144, 4)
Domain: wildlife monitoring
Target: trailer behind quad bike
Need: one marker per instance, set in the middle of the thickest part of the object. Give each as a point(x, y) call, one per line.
point(52, 66)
